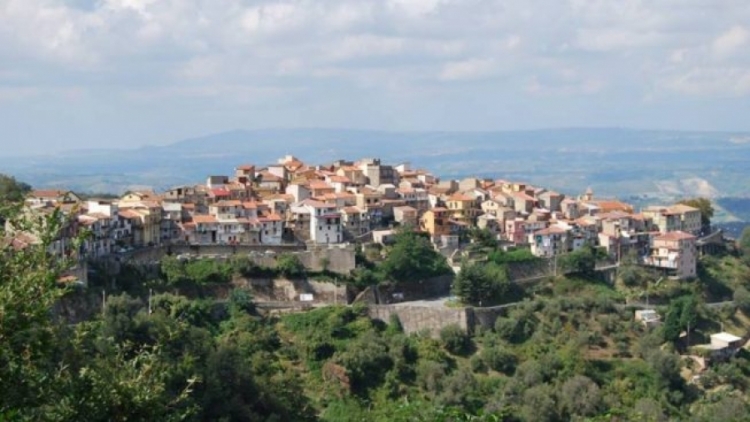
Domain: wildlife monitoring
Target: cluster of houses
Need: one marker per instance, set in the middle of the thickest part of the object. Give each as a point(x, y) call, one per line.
point(346, 201)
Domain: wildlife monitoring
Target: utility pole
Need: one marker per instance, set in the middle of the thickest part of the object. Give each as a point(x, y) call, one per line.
point(150, 292)
point(104, 300)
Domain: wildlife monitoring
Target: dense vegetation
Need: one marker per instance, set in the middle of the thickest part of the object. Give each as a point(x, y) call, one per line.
point(571, 351)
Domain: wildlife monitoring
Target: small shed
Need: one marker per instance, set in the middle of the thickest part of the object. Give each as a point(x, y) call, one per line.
point(648, 317)
point(722, 341)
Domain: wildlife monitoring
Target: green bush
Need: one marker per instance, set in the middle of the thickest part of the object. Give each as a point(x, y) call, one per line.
point(499, 359)
point(289, 265)
point(455, 340)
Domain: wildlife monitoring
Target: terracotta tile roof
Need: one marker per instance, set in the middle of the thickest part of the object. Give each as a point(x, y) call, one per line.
point(437, 190)
point(682, 208)
point(522, 195)
point(550, 230)
point(47, 193)
point(612, 205)
point(460, 197)
point(320, 184)
point(615, 215)
point(267, 176)
point(245, 167)
point(271, 217)
point(129, 214)
point(339, 179)
point(219, 192)
point(351, 210)
point(204, 219)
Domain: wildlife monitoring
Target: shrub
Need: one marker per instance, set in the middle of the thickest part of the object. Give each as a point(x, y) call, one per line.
point(455, 340)
point(289, 265)
point(499, 359)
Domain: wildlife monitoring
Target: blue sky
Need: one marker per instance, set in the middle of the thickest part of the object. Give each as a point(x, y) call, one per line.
point(125, 73)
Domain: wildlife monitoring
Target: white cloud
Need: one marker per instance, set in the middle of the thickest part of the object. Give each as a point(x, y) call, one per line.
point(731, 41)
point(467, 69)
point(414, 8)
point(422, 52)
point(711, 81)
point(366, 46)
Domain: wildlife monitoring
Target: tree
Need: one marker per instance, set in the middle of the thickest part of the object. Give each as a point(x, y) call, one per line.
point(52, 371)
point(706, 209)
point(499, 359)
point(538, 404)
point(11, 190)
point(580, 396)
point(681, 315)
point(742, 299)
point(481, 284)
point(412, 258)
point(455, 340)
point(630, 272)
point(483, 238)
point(241, 301)
point(173, 270)
point(290, 266)
point(743, 244)
point(582, 261)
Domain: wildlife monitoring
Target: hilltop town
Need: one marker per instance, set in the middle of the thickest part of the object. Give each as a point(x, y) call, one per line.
point(362, 283)
point(294, 203)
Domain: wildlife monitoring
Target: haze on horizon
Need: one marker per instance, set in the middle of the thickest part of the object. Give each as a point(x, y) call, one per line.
point(124, 73)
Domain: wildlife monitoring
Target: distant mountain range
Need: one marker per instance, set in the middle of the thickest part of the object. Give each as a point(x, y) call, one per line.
point(637, 165)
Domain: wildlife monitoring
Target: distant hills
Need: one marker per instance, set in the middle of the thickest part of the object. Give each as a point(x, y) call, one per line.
point(637, 165)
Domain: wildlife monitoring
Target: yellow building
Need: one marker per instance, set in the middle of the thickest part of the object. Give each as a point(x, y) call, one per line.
point(435, 222)
point(463, 207)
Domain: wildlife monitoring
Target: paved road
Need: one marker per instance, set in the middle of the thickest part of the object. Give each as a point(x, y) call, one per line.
point(431, 303)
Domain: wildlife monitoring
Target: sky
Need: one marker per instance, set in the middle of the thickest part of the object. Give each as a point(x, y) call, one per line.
point(125, 73)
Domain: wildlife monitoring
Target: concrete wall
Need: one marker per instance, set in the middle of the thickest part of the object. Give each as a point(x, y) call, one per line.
point(415, 319)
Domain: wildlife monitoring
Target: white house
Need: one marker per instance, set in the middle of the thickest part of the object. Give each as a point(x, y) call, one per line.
point(325, 222)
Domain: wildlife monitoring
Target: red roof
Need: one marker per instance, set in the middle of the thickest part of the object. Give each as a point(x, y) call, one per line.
point(204, 219)
point(219, 192)
point(339, 179)
point(270, 217)
point(460, 197)
point(129, 214)
point(48, 193)
point(551, 230)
